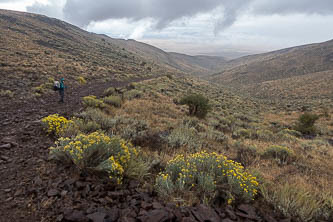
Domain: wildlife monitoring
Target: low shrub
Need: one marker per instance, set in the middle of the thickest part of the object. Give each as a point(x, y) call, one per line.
point(242, 133)
point(55, 124)
point(244, 117)
point(115, 101)
point(81, 80)
point(40, 89)
point(293, 201)
point(92, 101)
point(87, 126)
point(215, 135)
point(205, 174)
point(103, 120)
point(264, 135)
point(95, 153)
point(288, 135)
point(321, 147)
point(291, 132)
point(133, 129)
point(198, 105)
point(133, 94)
point(282, 154)
point(44, 87)
point(226, 125)
point(246, 154)
point(128, 128)
point(110, 91)
point(184, 135)
point(306, 122)
point(6, 93)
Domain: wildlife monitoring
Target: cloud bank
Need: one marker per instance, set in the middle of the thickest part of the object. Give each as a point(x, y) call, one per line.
point(82, 12)
point(265, 24)
point(163, 12)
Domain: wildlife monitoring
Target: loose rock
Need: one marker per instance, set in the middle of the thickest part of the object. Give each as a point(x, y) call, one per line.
point(6, 146)
point(97, 217)
point(52, 192)
point(76, 216)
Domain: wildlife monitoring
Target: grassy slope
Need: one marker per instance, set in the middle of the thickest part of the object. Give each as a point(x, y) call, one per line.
point(36, 48)
point(235, 125)
point(292, 72)
point(280, 64)
point(241, 129)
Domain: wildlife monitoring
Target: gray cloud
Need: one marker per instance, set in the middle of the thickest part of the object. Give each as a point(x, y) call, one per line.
point(54, 8)
point(163, 12)
point(82, 12)
point(8, 1)
point(323, 7)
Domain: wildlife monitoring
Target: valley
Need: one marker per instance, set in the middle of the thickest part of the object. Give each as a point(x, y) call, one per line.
point(127, 144)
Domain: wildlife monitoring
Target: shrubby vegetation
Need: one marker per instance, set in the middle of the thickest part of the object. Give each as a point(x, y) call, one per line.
point(184, 135)
point(110, 91)
point(198, 105)
point(282, 154)
point(202, 173)
point(96, 153)
point(6, 93)
point(133, 94)
point(296, 202)
point(55, 124)
point(115, 101)
point(92, 101)
point(263, 140)
point(246, 154)
point(81, 80)
point(306, 123)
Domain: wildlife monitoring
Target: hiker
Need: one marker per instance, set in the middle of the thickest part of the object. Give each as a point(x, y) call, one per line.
point(62, 90)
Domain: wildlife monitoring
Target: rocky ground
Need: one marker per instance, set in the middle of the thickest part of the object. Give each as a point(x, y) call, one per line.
point(33, 189)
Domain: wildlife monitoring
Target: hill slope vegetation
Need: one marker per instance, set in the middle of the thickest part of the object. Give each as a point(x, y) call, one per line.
point(279, 74)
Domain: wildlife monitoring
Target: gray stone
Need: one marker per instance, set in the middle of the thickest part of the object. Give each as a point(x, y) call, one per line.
point(52, 192)
point(97, 217)
point(76, 216)
point(5, 146)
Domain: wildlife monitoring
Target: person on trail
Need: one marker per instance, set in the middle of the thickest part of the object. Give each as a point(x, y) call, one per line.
point(62, 90)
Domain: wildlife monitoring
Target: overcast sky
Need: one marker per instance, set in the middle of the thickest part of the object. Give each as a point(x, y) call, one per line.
point(196, 26)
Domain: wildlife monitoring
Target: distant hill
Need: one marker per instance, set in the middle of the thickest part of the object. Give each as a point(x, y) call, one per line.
point(279, 64)
point(302, 72)
point(197, 65)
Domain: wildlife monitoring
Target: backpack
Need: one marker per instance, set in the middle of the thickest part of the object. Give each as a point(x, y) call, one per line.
point(56, 85)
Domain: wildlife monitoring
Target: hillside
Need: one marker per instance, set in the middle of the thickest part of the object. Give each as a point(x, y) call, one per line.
point(196, 65)
point(287, 71)
point(35, 49)
point(136, 139)
point(280, 64)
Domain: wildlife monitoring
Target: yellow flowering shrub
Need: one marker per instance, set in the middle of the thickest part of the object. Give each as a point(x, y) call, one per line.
point(203, 173)
point(95, 152)
point(81, 80)
point(55, 124)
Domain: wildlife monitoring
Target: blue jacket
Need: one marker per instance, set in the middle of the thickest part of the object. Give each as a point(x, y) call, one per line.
point(62, 85)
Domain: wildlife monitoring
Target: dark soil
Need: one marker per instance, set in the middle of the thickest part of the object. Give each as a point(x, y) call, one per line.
point(33, 189)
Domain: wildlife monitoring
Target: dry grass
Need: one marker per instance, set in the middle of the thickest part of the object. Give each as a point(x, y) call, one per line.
point(310, 171)
point(151, 119)
point(36, 48)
